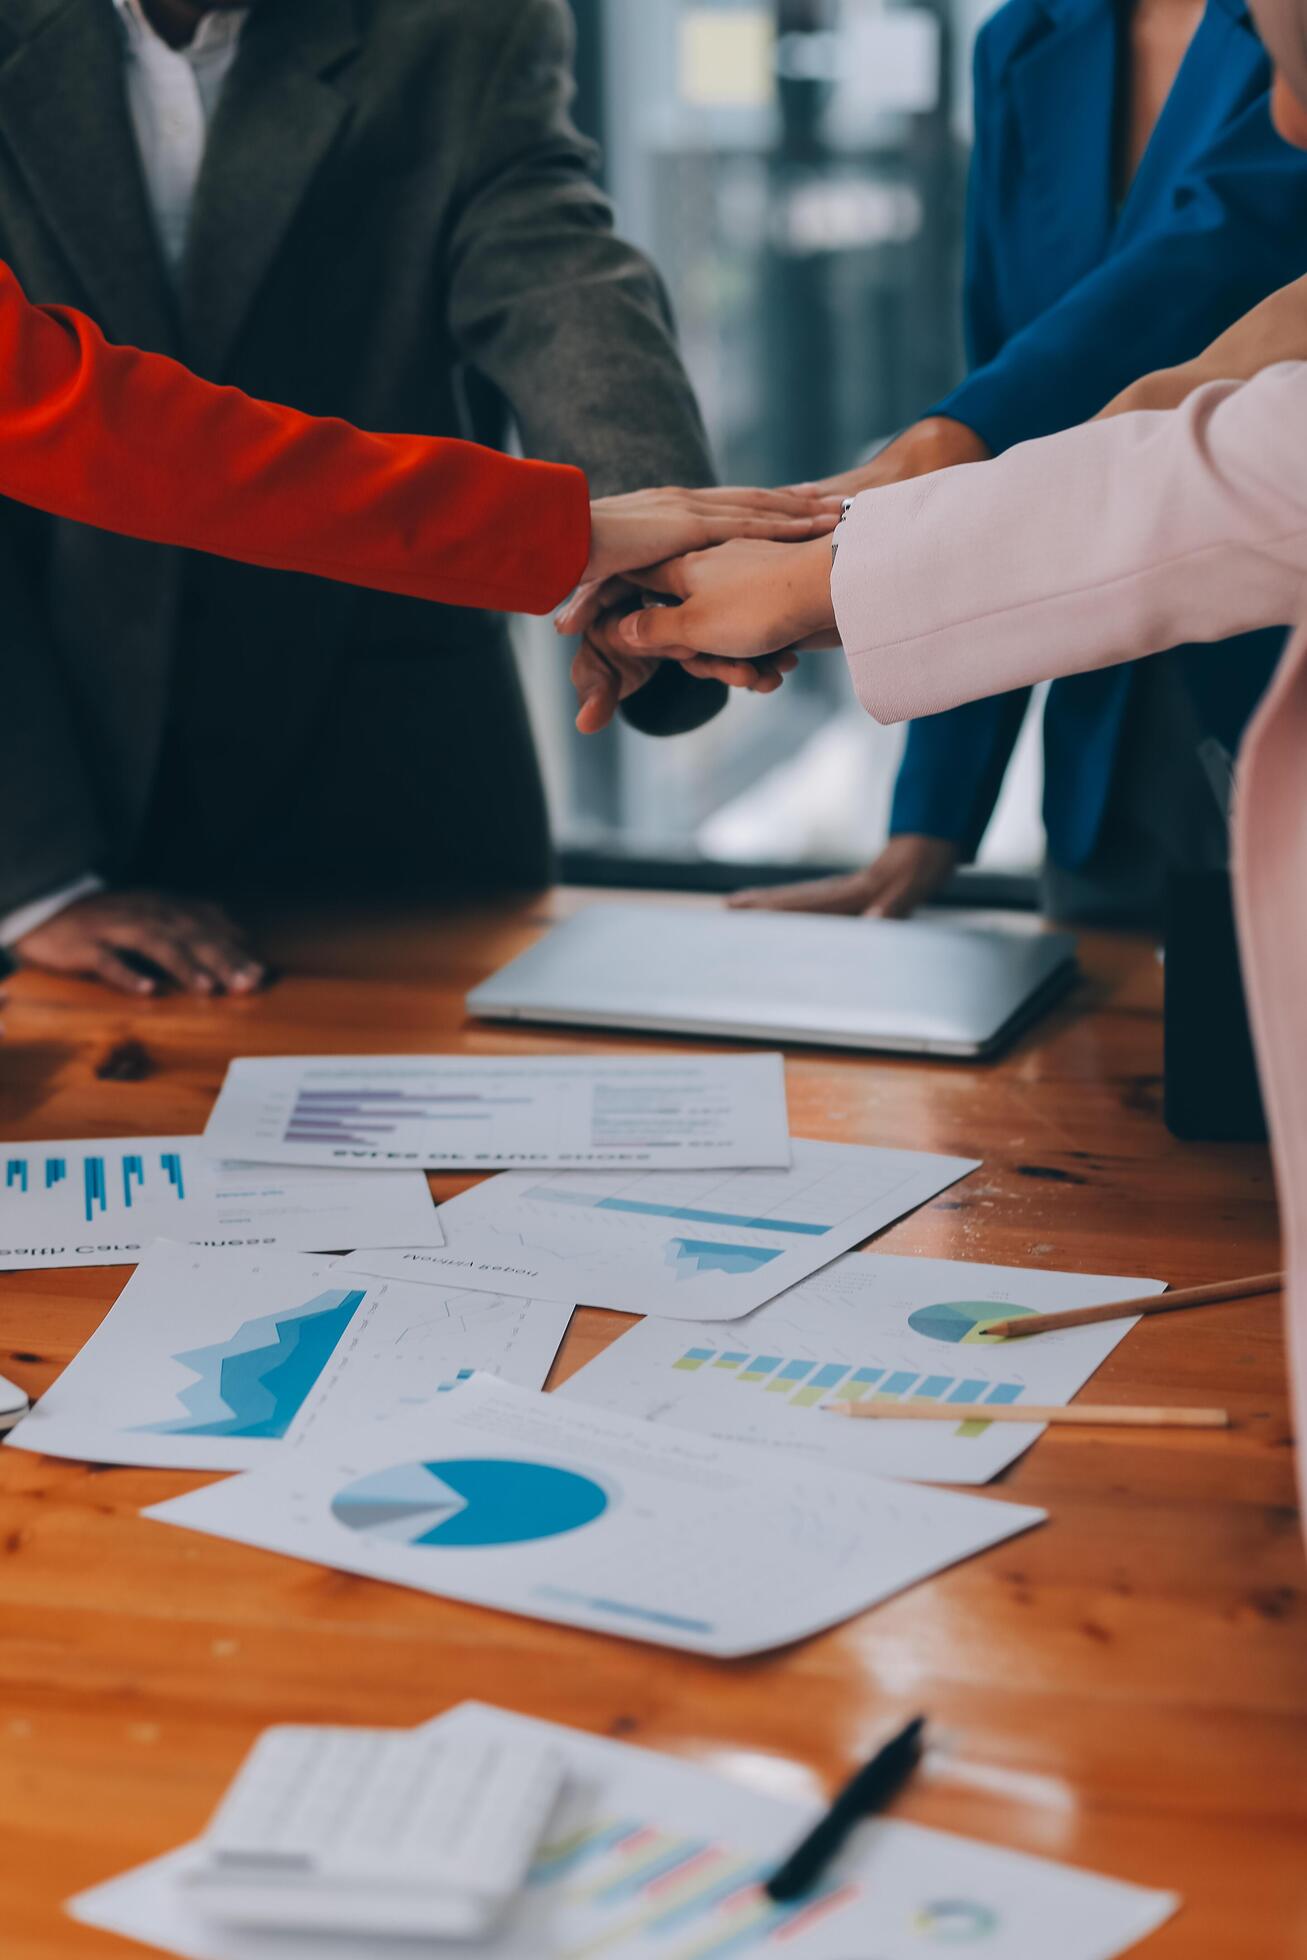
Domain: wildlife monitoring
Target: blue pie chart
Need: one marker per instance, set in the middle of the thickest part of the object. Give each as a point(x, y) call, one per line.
point(469, 1501)
point(962, 1320)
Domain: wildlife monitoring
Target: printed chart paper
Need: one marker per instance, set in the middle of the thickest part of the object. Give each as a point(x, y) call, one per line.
point(654, 1859)
point(471, 1112)
point(220, 1360)
point(871, 1325)
point(99, 1201)
point(683, 1245)
point(568, 1513)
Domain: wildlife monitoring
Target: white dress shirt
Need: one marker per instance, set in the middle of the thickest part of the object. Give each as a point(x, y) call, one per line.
point(171, 94)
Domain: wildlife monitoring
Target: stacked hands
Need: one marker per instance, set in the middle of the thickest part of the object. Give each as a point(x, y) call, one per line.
point(734, 584)
point(730, 583)
point(694, 549)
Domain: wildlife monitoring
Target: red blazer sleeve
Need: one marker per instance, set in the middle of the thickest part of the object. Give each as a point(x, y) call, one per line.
point(133, 442)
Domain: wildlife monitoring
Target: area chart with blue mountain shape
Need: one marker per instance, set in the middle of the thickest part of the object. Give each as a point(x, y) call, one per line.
point(255, 1384)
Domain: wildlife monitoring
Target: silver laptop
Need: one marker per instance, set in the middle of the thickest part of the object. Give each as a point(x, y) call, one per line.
point(921, 986)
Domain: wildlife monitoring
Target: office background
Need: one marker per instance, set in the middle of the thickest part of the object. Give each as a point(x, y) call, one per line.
point(797, 169)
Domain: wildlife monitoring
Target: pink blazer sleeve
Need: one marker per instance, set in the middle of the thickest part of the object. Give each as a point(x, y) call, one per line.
point(1100, 545)
point(1081, 550)
point(1271, 891)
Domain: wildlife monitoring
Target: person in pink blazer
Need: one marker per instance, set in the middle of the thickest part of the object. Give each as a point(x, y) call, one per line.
point(1151, 526)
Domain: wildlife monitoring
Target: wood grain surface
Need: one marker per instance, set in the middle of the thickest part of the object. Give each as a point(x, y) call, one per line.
point(1125, 1688)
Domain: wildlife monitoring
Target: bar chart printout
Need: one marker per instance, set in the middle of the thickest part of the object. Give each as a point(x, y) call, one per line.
point(488, 1112)
point(870, 1328)
point(682, 1245)
point(99, 1201)
point(109, 1182)
point(649, 1858)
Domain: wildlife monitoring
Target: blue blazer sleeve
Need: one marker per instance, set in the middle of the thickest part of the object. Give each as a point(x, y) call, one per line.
point(953, 765)
point(1238, 231)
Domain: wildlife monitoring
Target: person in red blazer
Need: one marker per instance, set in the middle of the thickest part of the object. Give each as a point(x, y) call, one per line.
point(134, 442)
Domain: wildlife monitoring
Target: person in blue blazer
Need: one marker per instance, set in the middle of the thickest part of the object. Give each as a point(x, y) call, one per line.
point(1128, 199)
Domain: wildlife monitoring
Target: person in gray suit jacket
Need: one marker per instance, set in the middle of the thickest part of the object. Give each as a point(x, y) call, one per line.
point(378, 209)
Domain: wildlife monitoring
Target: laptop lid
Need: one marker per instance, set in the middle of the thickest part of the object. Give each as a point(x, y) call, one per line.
point(916, 986)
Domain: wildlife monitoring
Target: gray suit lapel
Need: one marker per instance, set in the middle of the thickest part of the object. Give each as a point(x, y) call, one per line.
point(277, 119)
point(64, 118)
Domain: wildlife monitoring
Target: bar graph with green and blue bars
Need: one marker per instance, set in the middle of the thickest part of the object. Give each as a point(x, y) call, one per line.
point(805, 1383)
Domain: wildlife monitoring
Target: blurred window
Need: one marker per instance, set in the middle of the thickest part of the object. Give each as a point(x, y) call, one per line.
point(797, 170)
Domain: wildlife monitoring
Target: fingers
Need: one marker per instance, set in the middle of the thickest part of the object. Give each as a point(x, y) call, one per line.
point(588, 602)
point(724, 525)
point(741, 673)
point(791, 500)
point(599, 688)
point(850, 896)
point(755, 676)
point(664, 630)
point(782, 530)
point(168, 951)
point(104, 964)
point(228, 965)
point(197, 948)
point(899, 901)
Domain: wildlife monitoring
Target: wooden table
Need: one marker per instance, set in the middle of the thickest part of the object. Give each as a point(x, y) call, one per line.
point(1125, 1688)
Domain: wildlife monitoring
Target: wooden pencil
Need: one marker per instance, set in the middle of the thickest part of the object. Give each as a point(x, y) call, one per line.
point(1104, 1414)
point(1025, 1325)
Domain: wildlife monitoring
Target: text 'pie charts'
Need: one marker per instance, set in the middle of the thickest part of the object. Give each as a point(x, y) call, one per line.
point(469, 1501)
point(962, 1320)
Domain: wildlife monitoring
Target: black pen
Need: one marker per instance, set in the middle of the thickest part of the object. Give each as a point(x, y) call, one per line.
point(869, 1791)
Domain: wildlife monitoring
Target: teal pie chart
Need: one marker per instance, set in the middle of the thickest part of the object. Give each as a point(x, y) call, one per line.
point(465, 1502)
point(962, 1320)
point(956, 1922)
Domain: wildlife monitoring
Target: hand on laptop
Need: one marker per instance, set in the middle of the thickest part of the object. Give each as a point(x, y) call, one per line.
point(909, 872)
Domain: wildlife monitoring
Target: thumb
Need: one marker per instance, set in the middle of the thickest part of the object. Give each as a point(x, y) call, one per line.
point(656, 629)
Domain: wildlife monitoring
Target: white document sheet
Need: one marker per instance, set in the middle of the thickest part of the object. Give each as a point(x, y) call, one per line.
point(220, 1360)
point(871, 1325)
point(682, 1245)
point(98, 1201)
point(650, 1858)
point(567, 1513)
point(475, 1112)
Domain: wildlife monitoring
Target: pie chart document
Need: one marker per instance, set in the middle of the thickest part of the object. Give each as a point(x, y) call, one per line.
point(871, 1327)
point(487, 1112)
point(562, 1512)
point(221, 1360)
point(684, 1245)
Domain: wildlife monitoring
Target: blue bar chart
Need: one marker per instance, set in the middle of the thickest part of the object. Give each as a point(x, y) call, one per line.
point(554, 1194)
point(109, 1181)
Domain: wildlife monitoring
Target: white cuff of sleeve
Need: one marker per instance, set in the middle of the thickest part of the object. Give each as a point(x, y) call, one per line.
point(16, 925)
